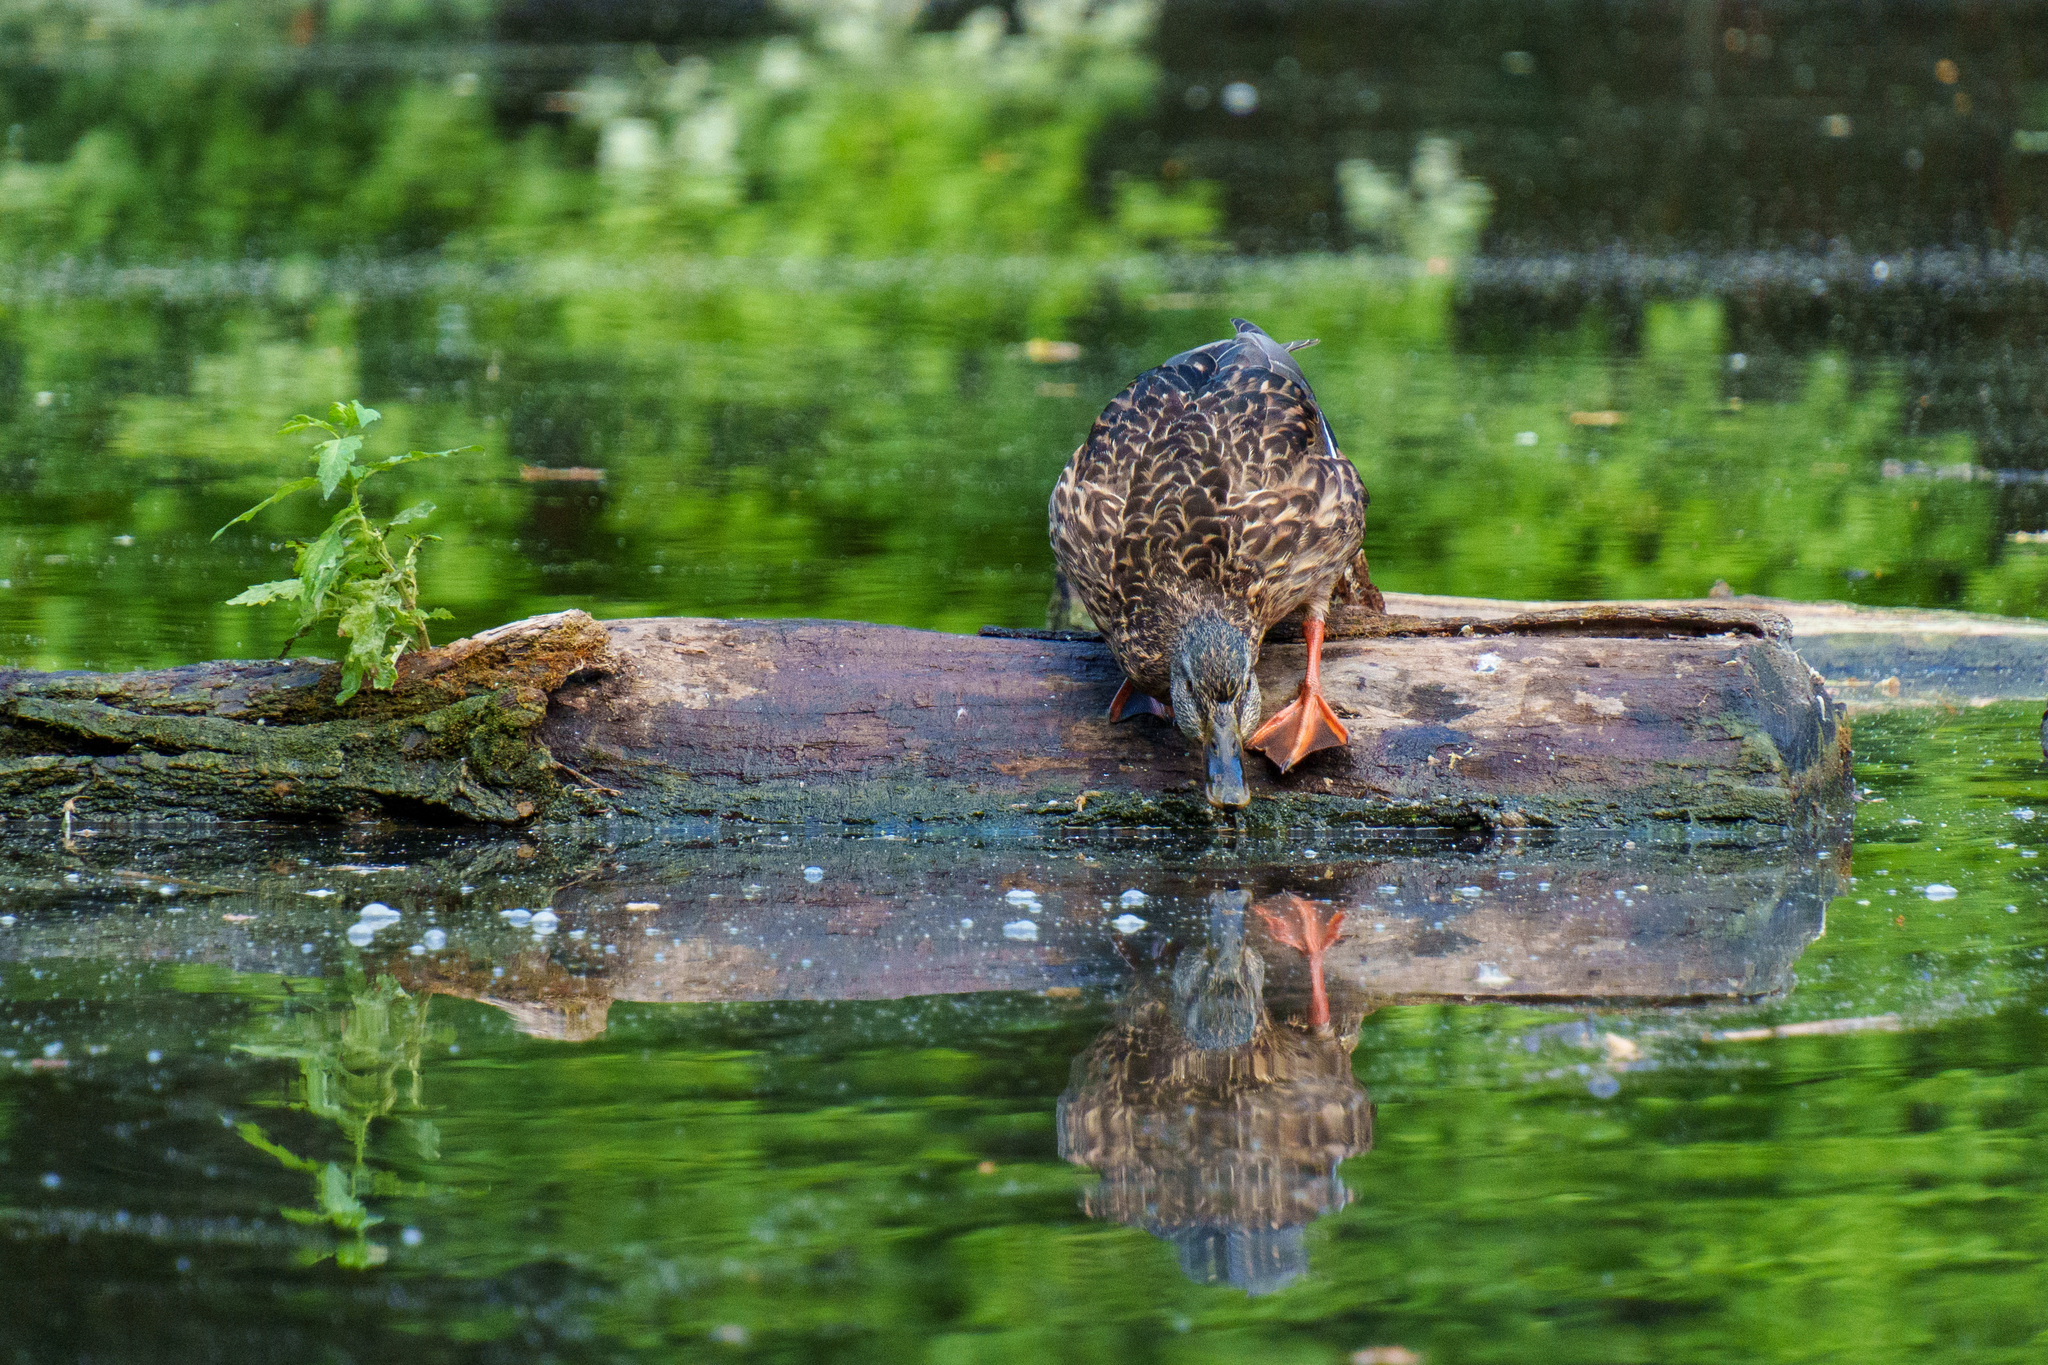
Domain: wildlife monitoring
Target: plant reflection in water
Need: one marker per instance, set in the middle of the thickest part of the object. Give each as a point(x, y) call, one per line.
point(350, 1062)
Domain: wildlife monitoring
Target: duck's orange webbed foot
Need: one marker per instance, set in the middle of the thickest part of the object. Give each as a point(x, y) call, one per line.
point(1307, 723)
point(1129, 701)
point(1294, 921)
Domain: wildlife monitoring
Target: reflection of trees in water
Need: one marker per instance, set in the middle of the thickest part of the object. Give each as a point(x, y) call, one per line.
point(1215, 1127)
point(357, 1064)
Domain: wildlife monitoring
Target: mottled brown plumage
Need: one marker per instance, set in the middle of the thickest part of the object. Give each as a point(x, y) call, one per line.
point(1209, 502)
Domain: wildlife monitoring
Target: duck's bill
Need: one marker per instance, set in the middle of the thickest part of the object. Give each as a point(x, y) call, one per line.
point(1226, 768)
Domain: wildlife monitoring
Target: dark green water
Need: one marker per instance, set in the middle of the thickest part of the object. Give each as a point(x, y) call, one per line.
point(1757, 299)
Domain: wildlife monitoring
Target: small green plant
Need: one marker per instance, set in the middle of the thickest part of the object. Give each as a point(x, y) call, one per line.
point(349, 571)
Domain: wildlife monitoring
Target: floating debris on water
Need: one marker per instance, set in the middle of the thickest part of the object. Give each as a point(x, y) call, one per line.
point(642, 907)
point(1486, 663)
point(1023, 930)
point(1127, 924)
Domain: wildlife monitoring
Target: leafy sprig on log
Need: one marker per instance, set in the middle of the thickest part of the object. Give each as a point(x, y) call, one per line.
point(350, 571)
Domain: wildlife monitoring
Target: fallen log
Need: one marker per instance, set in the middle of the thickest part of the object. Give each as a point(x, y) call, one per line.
point(1601, 716)
point(1873, 658)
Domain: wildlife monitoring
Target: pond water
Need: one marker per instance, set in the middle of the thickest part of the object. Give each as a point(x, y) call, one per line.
point(740, 1093)
point(1760, 301)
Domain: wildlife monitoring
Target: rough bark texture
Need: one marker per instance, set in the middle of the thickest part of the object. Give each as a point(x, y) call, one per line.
point(1603, 716)
point(1658, 716)
point(454, 738)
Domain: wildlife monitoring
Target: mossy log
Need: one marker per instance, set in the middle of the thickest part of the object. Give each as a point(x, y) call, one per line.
point(1601, 716)
point(455, 737)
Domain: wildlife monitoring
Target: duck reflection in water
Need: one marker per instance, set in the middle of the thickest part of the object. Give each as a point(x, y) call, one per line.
point(1215, 1126)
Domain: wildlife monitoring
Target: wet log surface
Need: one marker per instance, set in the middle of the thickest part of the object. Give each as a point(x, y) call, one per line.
point(1610, 716)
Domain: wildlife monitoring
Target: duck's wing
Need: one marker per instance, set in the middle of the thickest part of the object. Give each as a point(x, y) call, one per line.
point(1296, 515)
point(1215, 467)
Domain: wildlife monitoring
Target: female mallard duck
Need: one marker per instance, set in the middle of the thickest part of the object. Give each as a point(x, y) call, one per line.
point(1209, 502)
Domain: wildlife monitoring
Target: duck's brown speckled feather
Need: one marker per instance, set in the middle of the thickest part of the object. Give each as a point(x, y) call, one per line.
point(1211, 481)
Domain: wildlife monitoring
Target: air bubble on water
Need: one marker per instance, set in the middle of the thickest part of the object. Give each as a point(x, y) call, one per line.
point(51, 1180)
point(545, 922)
point(418, 950)
point(377, 912)
point(1308, 853)
point(435, 939)
point(1388, 890)
point(361, 934)
point(814, 874)
point(1023, 930)
point(411, 1237)
point(518, 919)
point(6, 921)
point(1603, 1086)
point(2023, 813)
point(1021, 895)
point(153, 1056)
point(1938, 891)
point(966, 923)
point(1127, 923)
point(1132, 899)
point(321, 891)
point(1480, 891)
point(1486, 663)
point(168, 889)
point(306, 948)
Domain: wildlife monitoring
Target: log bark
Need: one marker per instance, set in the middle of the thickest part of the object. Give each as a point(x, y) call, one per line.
point(1608, 715)
point(453, 738)
point(1873, 658)
point(1599, 718)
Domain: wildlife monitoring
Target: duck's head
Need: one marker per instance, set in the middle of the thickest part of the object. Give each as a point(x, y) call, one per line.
point(1216, 700)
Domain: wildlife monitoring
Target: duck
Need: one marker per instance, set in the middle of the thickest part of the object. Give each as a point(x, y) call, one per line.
point(1210, 502)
